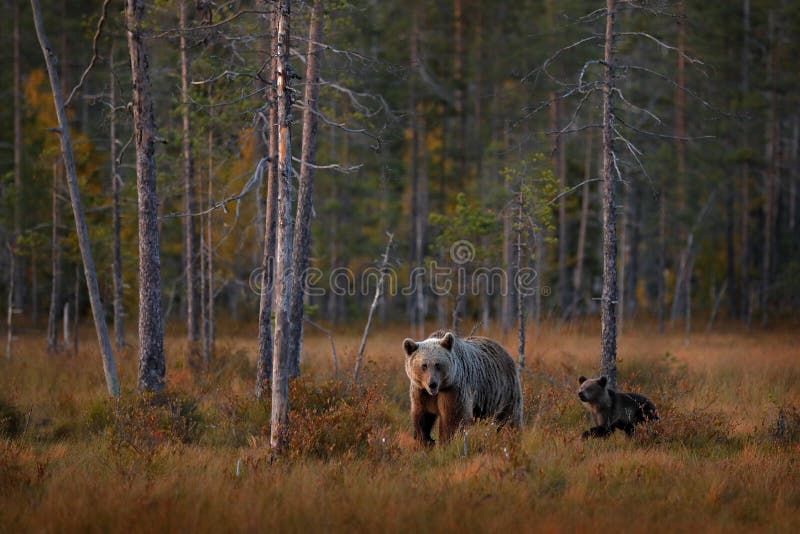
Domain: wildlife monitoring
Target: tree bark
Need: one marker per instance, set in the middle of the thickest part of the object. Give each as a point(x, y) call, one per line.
point(77, 209)
point(10, 304)
point(17, 265)
point(55, 277)
point(152, 366)
point(376, 299)
point(745, 307)
point(116, 253)
point(771, 174)
point(279, 421)
point(210, 329)
point(608, 358)
point(189, 204)
point(302, 230)
point(577, 274)
point(264, 360)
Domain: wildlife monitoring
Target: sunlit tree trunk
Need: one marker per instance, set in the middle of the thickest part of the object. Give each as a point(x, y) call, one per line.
point(270, 124)
point(279, 423)
point(152, 368)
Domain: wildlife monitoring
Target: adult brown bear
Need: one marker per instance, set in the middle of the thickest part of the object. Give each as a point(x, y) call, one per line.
point(456, 380)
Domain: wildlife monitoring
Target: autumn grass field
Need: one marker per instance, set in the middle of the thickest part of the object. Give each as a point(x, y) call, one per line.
point(726, 456)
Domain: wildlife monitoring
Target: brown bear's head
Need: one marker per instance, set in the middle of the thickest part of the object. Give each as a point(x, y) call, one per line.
point(593, 390)
point(429, 363)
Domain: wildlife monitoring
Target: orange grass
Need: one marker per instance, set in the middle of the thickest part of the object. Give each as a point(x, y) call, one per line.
point(725, 458)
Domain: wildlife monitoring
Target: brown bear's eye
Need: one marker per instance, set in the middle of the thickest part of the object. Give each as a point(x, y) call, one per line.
point(438, 366)
point(424, 366)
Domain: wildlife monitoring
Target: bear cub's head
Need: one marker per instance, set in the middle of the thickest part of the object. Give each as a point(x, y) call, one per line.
point(593, 390)
point(429, 362)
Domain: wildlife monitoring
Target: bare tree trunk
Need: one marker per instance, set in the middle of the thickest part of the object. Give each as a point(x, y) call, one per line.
point(518, 267)
point(76, 317)
point(458, 81)
point(680, 153)
point(279, 422)
point(17, 265)
point(560, 164)
point(189, 205)
point(77, 209)
point(608, 358)
point(302, 230)
point(661, 299)
point(264, 360)
point(577, 274)
point(688, 311)
point(419, 182)
point(746, 309)
point(211, 327)
point(770, 176)
point(55, 277)
point(10, 304)
point(34, 288)
point(116, 264)
point(66, 326)
point(716, 299)
point(152, 366)
point(373, 306)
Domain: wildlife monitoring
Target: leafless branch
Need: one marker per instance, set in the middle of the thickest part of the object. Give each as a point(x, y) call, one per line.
point(571, 189)
point(662, 44)
point(662, 136)
point(554, 56)
point(341, 126)
point(92, 62)
point(333, 345)
point(331, 166)
point(175, 31)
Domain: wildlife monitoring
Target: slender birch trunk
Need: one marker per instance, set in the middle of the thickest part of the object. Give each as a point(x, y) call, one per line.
point(116, 264)
point(77, 209)
point(55, 266)
point(189, 204)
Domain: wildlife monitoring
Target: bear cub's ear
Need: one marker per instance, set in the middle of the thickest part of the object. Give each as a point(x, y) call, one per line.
point(410, 346)
point(581, 379)
point(603, 381)
point(447, 341)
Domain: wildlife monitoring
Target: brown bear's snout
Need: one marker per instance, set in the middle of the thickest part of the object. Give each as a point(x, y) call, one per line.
point(582, 396)
point(433, 387)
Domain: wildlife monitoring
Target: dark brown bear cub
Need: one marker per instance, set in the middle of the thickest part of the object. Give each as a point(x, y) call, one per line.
point(613, 410)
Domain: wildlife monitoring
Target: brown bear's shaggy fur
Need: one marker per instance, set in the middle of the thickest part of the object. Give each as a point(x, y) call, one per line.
point(612, 410)
point(456, 380)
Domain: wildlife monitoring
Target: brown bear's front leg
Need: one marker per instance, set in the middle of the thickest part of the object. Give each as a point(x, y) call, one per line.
point(421, 416)
point(423, 424)
point(451, 409)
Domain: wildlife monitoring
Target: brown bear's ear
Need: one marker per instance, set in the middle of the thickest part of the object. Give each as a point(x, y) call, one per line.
point(447, 341)
point(603, 381)
point(581, 379)
point(410, 346)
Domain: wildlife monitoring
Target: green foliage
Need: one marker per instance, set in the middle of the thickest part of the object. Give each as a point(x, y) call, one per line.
point(533, 188)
